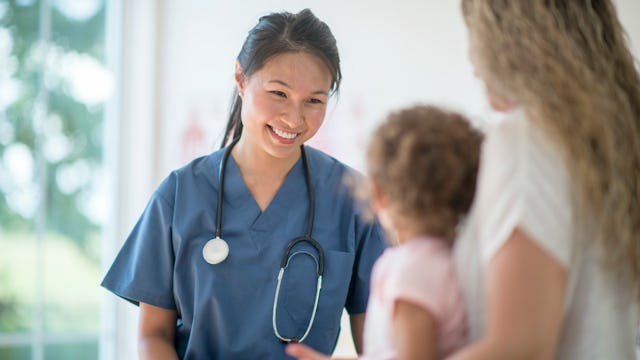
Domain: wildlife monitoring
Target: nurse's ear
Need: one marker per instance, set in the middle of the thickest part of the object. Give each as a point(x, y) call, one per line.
point(240, 79)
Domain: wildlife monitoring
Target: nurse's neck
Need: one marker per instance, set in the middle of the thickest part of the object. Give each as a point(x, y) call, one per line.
point(255, 160)
point(262, 172)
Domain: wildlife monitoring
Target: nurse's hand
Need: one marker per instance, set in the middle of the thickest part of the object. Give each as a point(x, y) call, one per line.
point(303, 352)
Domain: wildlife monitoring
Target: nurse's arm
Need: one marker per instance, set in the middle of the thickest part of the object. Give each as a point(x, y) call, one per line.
point(525, 303)
point(304, 352)
point(156, 333)
point(357, 329)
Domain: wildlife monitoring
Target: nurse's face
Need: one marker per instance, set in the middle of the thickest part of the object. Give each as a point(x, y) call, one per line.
point(283, 103)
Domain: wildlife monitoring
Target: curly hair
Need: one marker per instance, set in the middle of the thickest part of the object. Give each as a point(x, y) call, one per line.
point(425, 160)
point(568, 65)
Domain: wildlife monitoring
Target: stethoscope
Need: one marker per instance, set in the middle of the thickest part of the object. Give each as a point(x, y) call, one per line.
point(216, 250)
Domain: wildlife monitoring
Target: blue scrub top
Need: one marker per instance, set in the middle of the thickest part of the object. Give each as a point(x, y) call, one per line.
point(225, 310)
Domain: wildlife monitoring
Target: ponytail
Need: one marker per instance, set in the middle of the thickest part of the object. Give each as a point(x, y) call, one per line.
point(234, 124)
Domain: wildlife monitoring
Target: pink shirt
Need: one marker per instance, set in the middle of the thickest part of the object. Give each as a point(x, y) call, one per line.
point(420, 271)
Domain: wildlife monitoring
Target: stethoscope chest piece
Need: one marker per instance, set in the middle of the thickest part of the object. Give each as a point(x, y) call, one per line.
point(215, 251)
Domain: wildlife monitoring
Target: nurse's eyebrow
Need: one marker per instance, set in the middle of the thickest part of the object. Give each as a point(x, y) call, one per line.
point(319, 92)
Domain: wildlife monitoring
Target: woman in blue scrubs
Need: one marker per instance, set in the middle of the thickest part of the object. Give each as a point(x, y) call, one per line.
point(281, 208)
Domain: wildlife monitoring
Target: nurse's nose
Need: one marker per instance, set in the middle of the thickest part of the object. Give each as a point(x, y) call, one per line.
point(294, 116)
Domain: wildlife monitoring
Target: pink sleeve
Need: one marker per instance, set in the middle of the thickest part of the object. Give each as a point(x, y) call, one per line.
point(423, 278)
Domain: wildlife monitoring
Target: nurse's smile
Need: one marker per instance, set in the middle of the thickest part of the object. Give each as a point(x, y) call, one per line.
point(282, 135)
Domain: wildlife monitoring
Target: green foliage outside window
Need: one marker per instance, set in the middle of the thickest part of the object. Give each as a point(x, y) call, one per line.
point(51, 165)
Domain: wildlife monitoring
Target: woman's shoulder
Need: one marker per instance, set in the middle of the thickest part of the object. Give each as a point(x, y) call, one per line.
point(515, 135)
point(523, 181)
point(507, 130)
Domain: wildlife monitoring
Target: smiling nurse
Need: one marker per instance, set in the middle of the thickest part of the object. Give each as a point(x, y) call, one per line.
point(260, 243)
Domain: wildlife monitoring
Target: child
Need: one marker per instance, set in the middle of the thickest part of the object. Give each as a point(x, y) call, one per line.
point(422, 167)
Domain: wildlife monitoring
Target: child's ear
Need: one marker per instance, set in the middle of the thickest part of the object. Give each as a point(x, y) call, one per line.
point(378, 198)
point(380, 203)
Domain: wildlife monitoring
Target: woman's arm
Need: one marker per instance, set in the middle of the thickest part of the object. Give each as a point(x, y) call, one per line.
point(156, 333)
point(525, 292)
point(414, 332)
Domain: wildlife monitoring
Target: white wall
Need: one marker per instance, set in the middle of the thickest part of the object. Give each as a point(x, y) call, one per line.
point(393, 54)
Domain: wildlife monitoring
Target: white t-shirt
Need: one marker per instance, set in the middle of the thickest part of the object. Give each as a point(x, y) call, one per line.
point(524, 183)
point(421, 272)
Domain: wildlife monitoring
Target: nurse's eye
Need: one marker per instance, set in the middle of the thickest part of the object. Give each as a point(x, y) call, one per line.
point(315, 101)
point(278, 93)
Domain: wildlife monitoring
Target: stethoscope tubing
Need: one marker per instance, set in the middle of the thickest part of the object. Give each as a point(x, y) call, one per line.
point(286, 260)
point(221, 172)
point(287, 254)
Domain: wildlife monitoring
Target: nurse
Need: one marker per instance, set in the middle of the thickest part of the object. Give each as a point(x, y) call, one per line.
point(291, 250)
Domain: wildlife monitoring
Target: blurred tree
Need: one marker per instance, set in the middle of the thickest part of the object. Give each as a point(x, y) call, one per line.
point(71, 138)
point(10, 308)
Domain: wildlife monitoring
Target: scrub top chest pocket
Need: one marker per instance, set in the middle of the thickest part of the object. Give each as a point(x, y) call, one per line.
point(299, 286)
point(313, 252)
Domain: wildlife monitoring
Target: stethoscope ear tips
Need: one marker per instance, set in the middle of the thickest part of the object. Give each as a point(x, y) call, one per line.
point(215, 251)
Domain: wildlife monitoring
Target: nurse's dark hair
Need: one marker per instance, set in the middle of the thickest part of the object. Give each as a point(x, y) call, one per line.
point(279, 33)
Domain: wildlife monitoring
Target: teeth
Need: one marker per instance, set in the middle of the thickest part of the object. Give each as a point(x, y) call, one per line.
point(284, 134)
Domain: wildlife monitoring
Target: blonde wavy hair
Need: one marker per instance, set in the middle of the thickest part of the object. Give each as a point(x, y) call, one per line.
point(568, 65)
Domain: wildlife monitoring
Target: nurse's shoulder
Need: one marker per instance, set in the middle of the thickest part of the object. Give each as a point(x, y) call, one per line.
point(199, 174)
point(327, 170)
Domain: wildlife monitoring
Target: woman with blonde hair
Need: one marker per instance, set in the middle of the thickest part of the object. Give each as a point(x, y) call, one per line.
point(549, 261)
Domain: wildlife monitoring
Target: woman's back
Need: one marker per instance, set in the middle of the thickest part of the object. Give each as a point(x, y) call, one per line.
point(524, 183)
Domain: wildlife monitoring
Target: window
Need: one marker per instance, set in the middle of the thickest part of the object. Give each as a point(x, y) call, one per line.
point(53, 86)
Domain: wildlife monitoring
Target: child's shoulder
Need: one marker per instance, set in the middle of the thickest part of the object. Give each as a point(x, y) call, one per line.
point(418, 253)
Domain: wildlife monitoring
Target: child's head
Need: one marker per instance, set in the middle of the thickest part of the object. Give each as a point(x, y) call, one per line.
point(422, 163)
